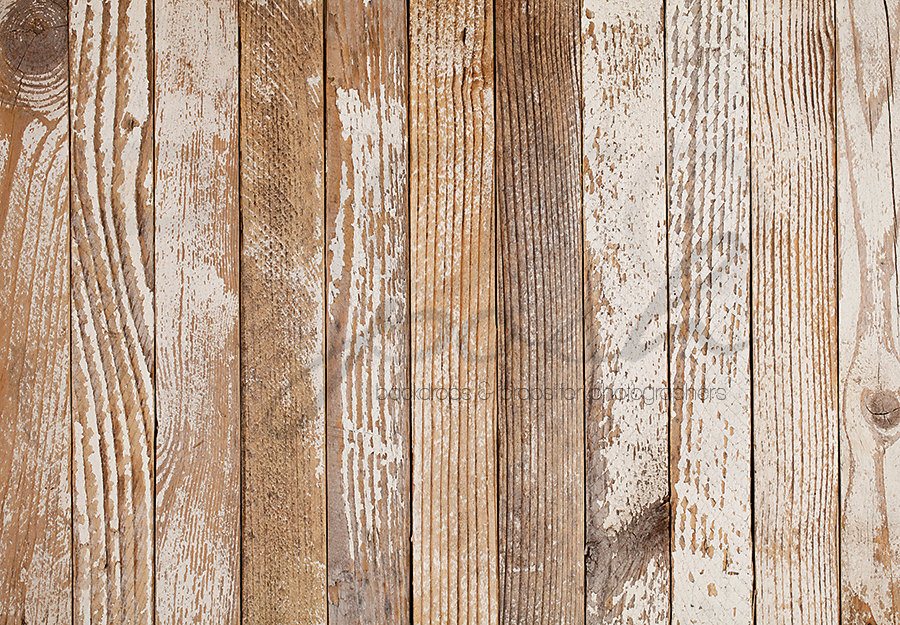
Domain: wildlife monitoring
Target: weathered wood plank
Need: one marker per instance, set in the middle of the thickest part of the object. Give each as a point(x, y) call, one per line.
point(794, 311)
point(283, 312)
point(541, 434)
point(453, 306)
point(196, 261)
point(708, 110)
point(35, 505)
point(367, 328)
point(627, 420)
point(113, 418)
point(868, 48)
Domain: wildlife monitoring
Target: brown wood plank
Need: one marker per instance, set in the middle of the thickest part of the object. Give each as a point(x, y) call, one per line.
point(453, 307)
point(794, 311)
point(707, 104)
point(541, 436)
point(868, 48)
point(283, 316)
point(196, 261)
point(113, 330)
point(627, 421)
point(35, 504)
point(367, 230)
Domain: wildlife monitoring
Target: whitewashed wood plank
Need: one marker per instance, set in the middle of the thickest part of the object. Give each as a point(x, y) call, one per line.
point(196, 260)
point(794, 312)
point(627, 447)
point(707, 105)
point(868, 47)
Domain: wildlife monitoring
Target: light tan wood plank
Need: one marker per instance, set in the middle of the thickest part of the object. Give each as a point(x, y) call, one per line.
point(196, 260)
point(283, 316)
point(35, 508)
point(794, 311)
point(539, 221)
point(627, 421)
point(868, 47)
point(707, 105)
point(112, 310)
point(367, 231)
point(454, 330)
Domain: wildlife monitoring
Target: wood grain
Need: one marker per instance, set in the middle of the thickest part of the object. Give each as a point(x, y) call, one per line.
point(627, 421)
point(794, 311)
point(35, 506)
point(453, 305)
point(196, 261)
point(367, 328)
point(867, 136)
point(283, 313)
point(541, 436)
point(113, 412)
point(707, 104)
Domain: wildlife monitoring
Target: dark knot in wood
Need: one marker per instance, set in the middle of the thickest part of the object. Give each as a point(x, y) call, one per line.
point(883, 408)
point(34, 54)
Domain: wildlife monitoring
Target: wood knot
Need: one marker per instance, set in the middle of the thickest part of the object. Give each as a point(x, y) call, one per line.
point(34, 55)
point(883, 408)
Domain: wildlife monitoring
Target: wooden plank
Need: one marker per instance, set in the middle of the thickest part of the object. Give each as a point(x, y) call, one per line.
point(367, 328)
point(453, 305)
point(627, 422)
point(283, 316)
point(707, 105)
point(35, 504)
point(794, 311)
point(867, 147)
point(196, 260)
point(539, 222)
point(113, 332)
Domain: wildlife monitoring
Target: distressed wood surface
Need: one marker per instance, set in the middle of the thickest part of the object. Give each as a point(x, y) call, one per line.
point(707, 105)
point(35, 508)
point(291, 334)
point(539, 221)
point(794, 311)
point(283, 313)
point(367, 327)
point(867, 50)
point(626, 416)
point(196, 262)
point(113, 418)
point(452, 301)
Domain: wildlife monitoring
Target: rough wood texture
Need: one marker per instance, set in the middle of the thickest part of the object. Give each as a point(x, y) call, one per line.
point(541, 438)
point(709, 296)
point(627, 421)
point(367, 234)
point(35, 510)
point(867, 148)
point(794, 312)
point(112, 310)
point(454, 328)
point(197, 243)
point(283, 313)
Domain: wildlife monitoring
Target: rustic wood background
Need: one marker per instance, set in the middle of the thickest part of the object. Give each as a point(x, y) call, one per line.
point(449, 312)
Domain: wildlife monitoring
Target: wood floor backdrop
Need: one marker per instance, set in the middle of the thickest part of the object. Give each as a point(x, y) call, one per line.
point(449, 312)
